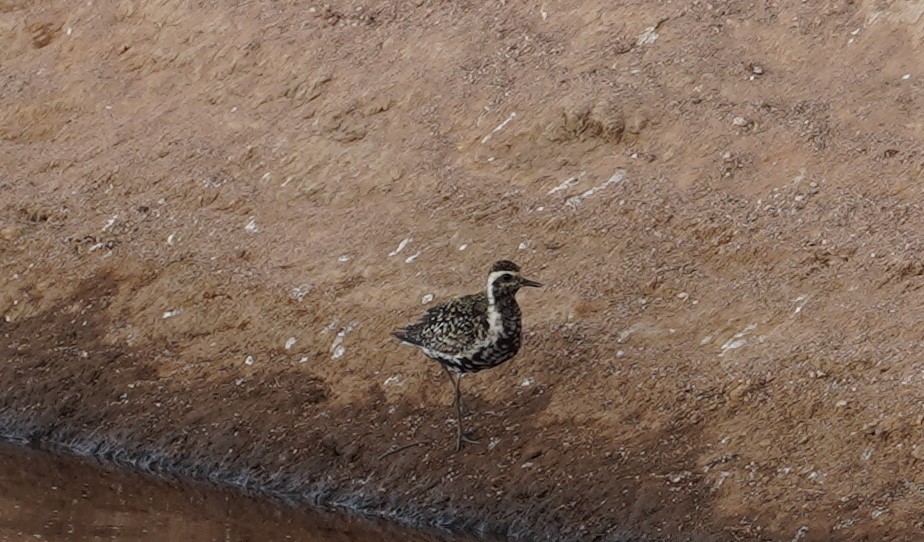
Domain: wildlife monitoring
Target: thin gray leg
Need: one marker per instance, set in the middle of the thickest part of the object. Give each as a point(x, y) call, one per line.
point(460, 432)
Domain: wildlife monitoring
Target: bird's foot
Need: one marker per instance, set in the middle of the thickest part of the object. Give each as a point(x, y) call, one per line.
point(460, 439)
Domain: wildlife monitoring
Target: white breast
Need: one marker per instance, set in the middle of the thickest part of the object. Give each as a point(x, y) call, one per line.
point(495, 324)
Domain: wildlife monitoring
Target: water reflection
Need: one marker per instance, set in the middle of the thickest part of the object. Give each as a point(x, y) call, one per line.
point(48, 497)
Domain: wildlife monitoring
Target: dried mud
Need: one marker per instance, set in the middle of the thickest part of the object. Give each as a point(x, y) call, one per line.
point(212, 215)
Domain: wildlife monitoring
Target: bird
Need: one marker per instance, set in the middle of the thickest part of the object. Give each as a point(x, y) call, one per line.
point(472, 333)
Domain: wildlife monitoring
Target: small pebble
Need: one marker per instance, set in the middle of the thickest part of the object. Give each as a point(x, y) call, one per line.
point(10, 233)
point(740, 121)
point(249, 360)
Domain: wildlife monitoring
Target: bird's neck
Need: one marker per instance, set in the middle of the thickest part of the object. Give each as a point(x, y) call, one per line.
point(502, 300)
point(500, 308)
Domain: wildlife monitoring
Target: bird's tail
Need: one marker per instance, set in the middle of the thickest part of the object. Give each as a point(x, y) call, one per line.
point(405, 337)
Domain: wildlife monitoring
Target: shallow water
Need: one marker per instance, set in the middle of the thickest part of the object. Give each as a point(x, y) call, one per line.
point(44, 496)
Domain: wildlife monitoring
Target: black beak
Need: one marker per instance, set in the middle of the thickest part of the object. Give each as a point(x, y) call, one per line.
point(530, 283)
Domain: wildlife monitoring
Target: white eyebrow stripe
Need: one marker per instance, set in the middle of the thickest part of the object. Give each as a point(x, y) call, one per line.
point(498, 274)
point(493, 276)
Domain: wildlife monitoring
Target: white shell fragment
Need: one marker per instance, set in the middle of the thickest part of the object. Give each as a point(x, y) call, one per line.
point(499, 127)
point(401, 246)
point(617, 177)
point(337, 350)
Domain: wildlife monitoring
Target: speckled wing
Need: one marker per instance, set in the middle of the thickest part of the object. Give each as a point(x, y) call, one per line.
point(451, 327)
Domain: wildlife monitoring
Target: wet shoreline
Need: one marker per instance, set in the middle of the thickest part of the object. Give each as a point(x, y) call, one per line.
point(112, 449)
point(51, 495)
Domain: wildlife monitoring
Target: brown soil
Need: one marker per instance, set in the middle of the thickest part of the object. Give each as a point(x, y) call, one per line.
point(728, 346)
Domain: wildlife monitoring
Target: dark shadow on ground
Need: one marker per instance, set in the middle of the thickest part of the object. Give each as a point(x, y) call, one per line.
point(276, 433)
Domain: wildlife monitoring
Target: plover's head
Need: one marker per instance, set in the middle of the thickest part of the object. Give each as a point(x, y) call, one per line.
point(505, 279)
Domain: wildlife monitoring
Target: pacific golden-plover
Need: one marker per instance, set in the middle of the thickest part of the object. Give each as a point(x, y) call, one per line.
point(472, 333)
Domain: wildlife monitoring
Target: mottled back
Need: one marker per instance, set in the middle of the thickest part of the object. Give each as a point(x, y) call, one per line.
point(451, 327)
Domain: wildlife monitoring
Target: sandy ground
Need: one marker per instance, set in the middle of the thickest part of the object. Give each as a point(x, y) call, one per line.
point(213, 213)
